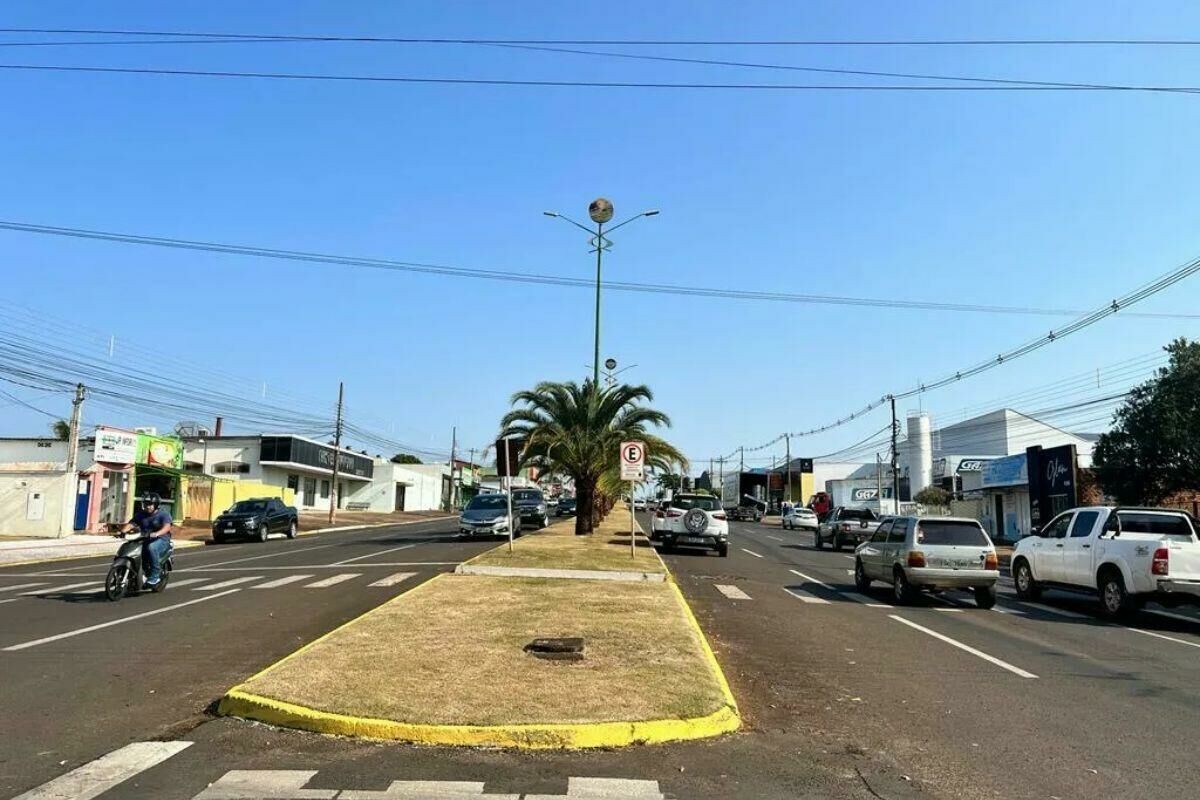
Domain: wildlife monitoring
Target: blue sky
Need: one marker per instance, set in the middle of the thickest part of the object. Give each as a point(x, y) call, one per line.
point(1030, 199)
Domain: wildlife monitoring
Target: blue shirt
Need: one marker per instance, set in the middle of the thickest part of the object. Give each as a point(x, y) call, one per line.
point(149, 522)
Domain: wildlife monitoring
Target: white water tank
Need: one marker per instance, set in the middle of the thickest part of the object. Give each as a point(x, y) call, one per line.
point(919, 452)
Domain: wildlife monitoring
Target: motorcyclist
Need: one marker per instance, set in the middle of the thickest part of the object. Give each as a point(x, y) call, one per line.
point(153, 522)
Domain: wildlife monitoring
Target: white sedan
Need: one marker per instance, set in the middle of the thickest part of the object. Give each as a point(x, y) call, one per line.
point(799, 518)
point(691, 520)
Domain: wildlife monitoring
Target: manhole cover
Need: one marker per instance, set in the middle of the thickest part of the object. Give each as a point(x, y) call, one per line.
point(568, 648)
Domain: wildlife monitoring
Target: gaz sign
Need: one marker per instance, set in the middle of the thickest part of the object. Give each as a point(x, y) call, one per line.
point(633, 460)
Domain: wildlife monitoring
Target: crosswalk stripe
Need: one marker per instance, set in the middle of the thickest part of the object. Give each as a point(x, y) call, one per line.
point(67, 588)
point(332, 580)
point(224, 584)
point(284, 581)
point(187, 582)
point(732, 592)
point(806, 597)
point(392, 580)
point(97, 777)
point(21, 586)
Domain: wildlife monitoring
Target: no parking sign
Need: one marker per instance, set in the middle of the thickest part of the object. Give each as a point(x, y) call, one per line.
point(633, 461)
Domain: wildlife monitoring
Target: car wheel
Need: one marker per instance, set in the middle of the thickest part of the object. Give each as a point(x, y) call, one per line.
point(291, 531)
point(861, 581)
point(902, 591)
point(723, 551)
point(1114, 598)
point(262, 532)
point(218, 539)
point(1027, 587)
point(985, 596)
point(837, 543)
point(817, 543)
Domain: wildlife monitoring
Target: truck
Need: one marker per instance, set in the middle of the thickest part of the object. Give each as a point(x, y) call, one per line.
point(1125, 556)
point(744, 495)
point(845, 525)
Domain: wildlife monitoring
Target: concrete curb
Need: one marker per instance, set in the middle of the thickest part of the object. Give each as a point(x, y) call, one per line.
point(570, 574)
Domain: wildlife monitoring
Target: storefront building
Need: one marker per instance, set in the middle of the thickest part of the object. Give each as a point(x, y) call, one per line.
point(1004, 483)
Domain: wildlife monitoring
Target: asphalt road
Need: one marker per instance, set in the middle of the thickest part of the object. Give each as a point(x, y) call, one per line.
point(844, 696)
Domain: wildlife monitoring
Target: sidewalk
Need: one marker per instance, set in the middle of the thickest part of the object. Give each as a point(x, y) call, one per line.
point(24, 551)
point(448, 663)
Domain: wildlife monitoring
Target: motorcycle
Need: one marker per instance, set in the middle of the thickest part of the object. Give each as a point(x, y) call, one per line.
point(127, 575)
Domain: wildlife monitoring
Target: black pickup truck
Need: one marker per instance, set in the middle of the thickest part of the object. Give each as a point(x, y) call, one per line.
point(256, 518)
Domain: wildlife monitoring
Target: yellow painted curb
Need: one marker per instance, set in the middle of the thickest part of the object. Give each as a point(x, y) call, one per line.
point(238, 702)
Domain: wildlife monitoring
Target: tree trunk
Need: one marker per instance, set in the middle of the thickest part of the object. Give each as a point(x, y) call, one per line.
point(585, 500)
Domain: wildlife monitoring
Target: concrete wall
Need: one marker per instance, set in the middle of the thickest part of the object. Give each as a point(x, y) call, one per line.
point(33, 451)
point(33, 503)
point(425, 491)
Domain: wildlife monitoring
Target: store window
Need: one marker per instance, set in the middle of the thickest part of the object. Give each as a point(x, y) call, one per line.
point(293, 483)
point(324, 490)
point(231, 468)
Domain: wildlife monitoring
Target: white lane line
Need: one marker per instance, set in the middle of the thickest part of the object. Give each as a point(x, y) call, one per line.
point(260, 568)
point(811, 579)
point(776, 538)
point(732, 592)
point(62, 589)
point(392, 580)
point(97, 777)
point(1168, 638)
point(1170, 615)
point(964, 647)
point(122, 620)
point(372, 555)
point(21, 586)
point(284, 581)
point(1053, 610)
point(10, 600)
point(281, 552)
point(345, 576)
point(751, 552)
point(187, 582)
point(806, 597)
point(225, 584)
point(948, 609)
point(844, 555)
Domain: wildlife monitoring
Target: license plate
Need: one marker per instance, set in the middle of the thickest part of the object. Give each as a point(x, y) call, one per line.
point(230, 530)
point(693, 540)
point(955, 563)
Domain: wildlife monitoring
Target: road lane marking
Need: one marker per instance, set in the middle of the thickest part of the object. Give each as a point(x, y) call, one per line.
point(345, 576)
point(10, 600)
point(187, 582)
point(800, 594)
point(1053, 610)
point(844, 555)
point(732, 592)
point(1170, 615)
point(392, 580)
point(228, 583)
point(964, 647)
point(293, 567)
point(79, 631)
point(1168, 638)
point(284, 581)
point(811, 579)
point(751, 552)
point(948, 610)
point(281, 552)
point(372, 555)
point(62, 589)
point(21, 586)
point(97, 777)
point(776, 538)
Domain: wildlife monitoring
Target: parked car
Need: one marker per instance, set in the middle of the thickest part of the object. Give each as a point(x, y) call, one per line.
point(748, 510)
point(917, 554)
point(530, 506)
point(691, 520)
point(799, 517)
point(1126, 556)
point(639, 505)
point(256, 518)
point(566, 507)
point(846, 525)
point(485, 515)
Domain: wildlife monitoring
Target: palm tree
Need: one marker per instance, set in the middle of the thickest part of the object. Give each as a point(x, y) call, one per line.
point(61, 429)
point(575, 430)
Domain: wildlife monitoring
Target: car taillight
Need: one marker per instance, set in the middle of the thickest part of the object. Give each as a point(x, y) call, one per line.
point(916, 558)
point(674, 512)
point(1161, 561)
point(991, 562)
point(845, 526)
point(659, 513)
point(718, 515)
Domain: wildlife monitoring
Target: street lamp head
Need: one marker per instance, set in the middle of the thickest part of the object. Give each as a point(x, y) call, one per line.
point(610, 363)
point(601, 210)
point(654, 212)
point(550, 213)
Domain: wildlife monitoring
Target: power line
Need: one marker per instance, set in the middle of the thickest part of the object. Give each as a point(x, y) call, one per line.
point(576, 84)
point(1059, 42)
point(549, 280)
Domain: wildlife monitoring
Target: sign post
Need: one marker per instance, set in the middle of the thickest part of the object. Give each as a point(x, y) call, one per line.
point(633, 469)
point(508, 453)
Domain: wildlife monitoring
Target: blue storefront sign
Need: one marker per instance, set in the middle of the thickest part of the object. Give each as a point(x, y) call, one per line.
point(1007, 471)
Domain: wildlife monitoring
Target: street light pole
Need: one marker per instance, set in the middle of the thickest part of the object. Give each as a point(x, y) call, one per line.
point(596, 349)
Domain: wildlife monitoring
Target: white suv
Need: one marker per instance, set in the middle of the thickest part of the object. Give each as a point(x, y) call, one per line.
point(691, 520)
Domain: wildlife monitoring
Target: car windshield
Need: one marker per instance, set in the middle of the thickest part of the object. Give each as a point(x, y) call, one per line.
point(249, 506)
point(487, 502)
point(934, 532)
point(858, 513)
point(693, 501)
point(1176, 526)
point(527, 495)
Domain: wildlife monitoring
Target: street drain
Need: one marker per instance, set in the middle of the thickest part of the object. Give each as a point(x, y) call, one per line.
point(569, 648)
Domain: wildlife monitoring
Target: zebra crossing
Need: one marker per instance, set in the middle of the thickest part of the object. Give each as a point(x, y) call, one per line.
point(217, 584)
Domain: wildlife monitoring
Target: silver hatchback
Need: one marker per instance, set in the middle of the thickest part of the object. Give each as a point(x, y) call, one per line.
point(916, 554)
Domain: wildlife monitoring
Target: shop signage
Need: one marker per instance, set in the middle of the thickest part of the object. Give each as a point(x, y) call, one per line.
point(939, 468)
point(860, 495)
point(1007, 471)
point(970, 465)
point(1052, 481)
point(313, 454)
point(115, 446)
point(160, 451)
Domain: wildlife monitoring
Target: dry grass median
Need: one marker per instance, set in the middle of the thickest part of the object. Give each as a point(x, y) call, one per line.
point(557, 547)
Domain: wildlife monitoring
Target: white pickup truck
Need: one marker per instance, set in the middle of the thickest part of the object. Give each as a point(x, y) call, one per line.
point(1127, 556)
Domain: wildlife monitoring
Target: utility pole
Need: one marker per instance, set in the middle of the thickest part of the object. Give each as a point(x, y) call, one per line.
point(710, 473)
point(453, 453)
point(721, 466)
point(335, 495)
point(879, 483)
point(787, 437)
point(741, 459)
point(895, 457)
point(67, 519)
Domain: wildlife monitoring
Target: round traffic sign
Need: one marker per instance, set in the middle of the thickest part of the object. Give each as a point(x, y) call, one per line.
point(633, 453)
